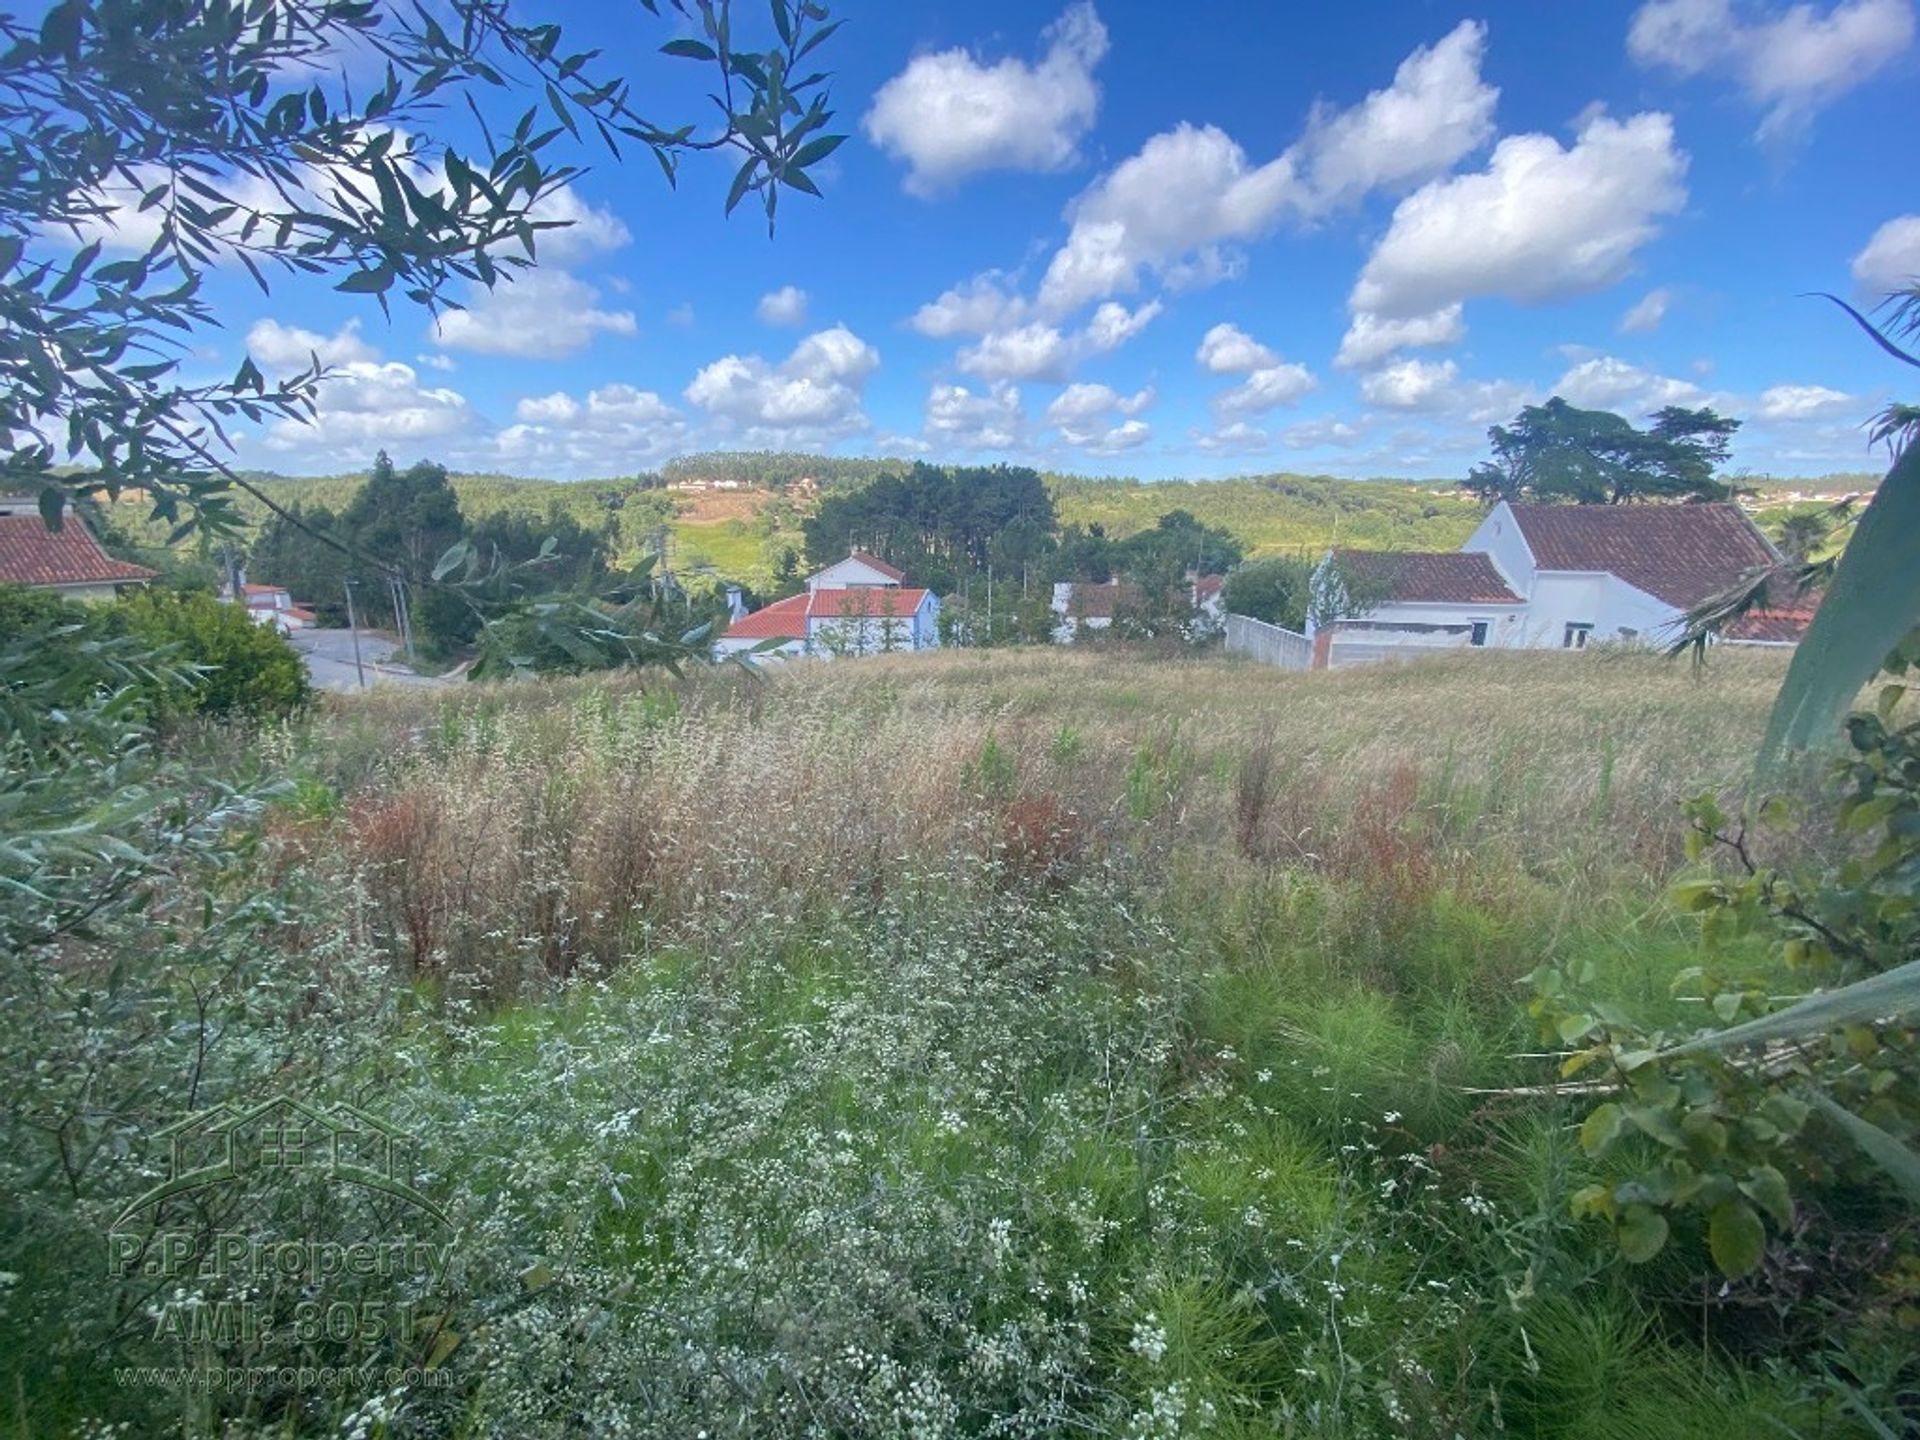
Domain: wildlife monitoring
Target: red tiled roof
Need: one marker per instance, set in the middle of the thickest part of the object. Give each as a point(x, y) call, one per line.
point(876, 563)
point(1207, 586)
point(1098, 602)
point(789, 617)
point(1779, 625)
point(31, 554)
point(1434, 577)
point(786, 617)
point(1681, 554)
point(263, 589)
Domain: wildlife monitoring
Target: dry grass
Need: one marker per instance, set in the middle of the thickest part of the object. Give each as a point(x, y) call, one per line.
point(511, 832)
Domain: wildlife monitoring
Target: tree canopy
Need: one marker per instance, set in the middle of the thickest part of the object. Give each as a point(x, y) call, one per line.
point(1557, 452)
point(937, 524)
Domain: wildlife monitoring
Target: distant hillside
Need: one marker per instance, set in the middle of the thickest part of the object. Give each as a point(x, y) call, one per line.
point(1272, 513)
point(740, 533)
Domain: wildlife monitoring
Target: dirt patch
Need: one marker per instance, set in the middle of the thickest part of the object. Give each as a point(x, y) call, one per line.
point(717, 505)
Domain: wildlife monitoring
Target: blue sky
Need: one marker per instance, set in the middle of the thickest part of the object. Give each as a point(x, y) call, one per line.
point(1191, 240)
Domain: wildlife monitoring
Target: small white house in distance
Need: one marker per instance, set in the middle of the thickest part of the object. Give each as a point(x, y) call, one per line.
point(1550, 577)
point(1088, 606)
point(856, 606)
point(272, 605)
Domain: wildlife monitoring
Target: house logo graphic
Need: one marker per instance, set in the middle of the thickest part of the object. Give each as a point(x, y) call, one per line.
point(234, 1142)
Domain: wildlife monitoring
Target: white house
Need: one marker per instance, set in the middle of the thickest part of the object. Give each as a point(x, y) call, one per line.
point(272, 605)
point(1553, 577)
point(1088, 606)
point(856, 606)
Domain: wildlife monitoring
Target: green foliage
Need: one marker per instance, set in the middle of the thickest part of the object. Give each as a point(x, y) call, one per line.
point(1717, 1123)
point(115, 104)
point(1869, 612)
point(1276, 589)
point(939, 525)
point(241, 670)
point(1289, 514)
point(1347, 586)
point(777, 470)
point(1557, 452)
point(165, 654)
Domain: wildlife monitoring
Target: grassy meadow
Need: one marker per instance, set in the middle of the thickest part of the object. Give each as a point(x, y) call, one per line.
point(992, 1043)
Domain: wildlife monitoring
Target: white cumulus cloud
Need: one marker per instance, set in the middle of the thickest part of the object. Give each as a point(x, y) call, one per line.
point(1791, 62)
point(1804, 402)
point(1265, 389)
point(969, 420)
point(952, 114)
point(1226, 349)
point(1039, 351)
point(617, 427)
point(981, 305)
point(1646, 313)
point(367, 403)
point(1891, 259)
point(811, 397)
point(785, 306)
point(288, 347)
point(1605, 382)
point(1541, 221)
point(1370, 339)
point(539, 314)
point(1438, 388)
point(1181, 205)
point(1089, 416)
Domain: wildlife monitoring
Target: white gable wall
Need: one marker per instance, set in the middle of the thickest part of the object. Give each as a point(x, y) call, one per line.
point(1500, 540)
point(843, 574)
point(1605, 601)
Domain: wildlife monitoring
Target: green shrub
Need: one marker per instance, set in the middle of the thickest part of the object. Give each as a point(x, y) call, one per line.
point(243, 670)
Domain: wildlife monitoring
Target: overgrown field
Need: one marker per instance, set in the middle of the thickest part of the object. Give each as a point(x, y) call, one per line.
point(989, 1044)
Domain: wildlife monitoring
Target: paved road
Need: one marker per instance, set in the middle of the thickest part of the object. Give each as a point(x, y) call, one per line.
point(329, 656)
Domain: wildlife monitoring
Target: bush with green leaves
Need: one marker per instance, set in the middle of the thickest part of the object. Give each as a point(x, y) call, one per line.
point(187, 654)
point(1274, 588)
point(1729, 1121)
point(240, 669)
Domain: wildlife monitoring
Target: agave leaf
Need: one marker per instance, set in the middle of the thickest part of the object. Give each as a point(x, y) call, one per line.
point(1894, 992)
point(1873, 602)
point(1901, 1163)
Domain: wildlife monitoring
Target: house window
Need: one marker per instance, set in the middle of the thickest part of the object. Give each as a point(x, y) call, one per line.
point(1479, 636)
point(1576, 637)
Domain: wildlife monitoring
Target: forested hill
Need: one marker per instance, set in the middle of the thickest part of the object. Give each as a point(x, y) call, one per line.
point(742, 530)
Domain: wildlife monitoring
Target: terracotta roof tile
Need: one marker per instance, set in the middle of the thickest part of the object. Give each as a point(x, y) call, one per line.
point(1437, 577)
point(865, 600)
point(786, 617)
point(1681, 554)
point(31, 554)
point(1779, 625)
point(789, 617)
point(1098, 602)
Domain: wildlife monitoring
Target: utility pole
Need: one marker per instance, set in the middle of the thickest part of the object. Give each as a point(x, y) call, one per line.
point(353, 629)
point(403, 617)
point(989, 602)
point(233, 574)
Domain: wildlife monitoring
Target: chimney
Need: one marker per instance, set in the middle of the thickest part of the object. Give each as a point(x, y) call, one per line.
point(735, 606)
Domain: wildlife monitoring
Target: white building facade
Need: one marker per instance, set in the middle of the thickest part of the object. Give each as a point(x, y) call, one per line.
point(856, 606)
point(1543, 577)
